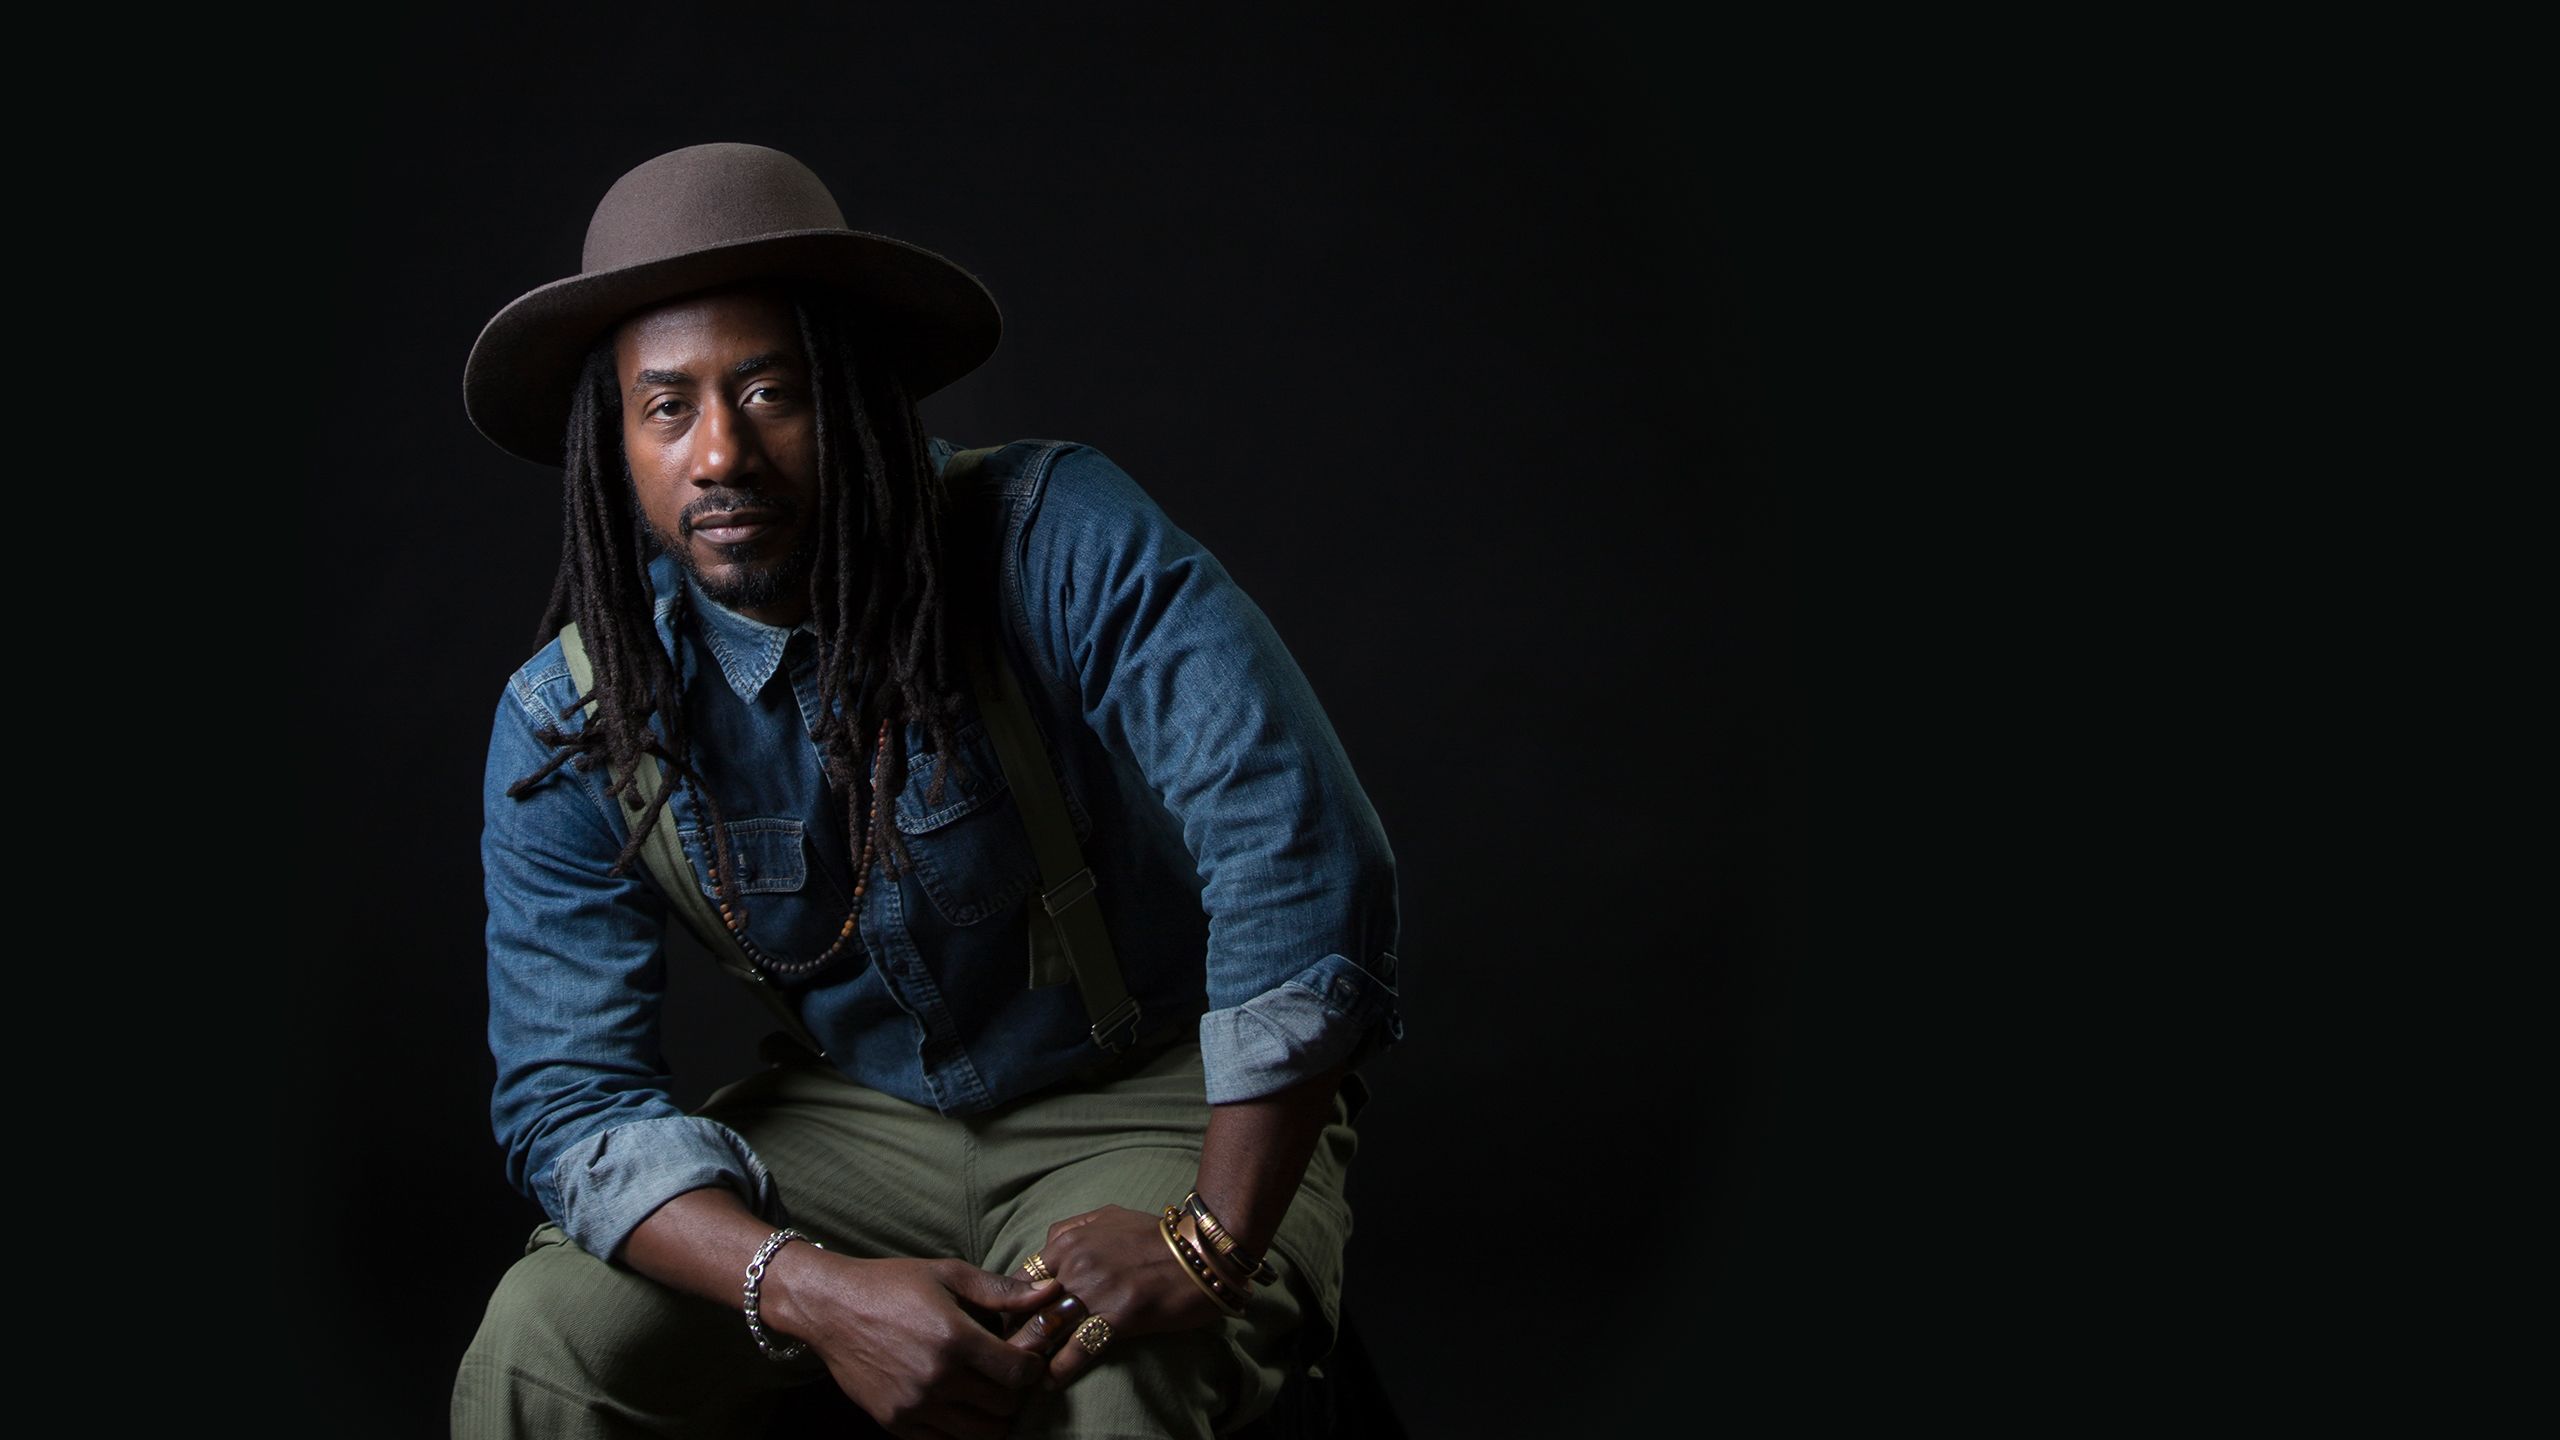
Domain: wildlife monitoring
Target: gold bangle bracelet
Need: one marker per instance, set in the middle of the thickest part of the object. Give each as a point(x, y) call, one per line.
point(1220, 1266)
point(1198, 1270)
point(1224, 1243)
point(1187, 1231)
point(1209, 1226)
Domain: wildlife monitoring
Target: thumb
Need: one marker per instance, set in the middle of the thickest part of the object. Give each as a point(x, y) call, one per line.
point(991, 1291)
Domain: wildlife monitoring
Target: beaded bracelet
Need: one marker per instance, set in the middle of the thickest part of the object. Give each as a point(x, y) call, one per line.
point(1225, 1244)
point(755, 1296)
point(1186, 1228)
point(1196, 1267)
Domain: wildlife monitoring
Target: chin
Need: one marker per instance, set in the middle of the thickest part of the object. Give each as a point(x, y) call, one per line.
point(768, 570)
point(741, 587)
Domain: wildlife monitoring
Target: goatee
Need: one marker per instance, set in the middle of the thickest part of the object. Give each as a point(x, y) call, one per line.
point(743, 584)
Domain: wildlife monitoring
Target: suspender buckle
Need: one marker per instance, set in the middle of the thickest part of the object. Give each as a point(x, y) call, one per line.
point(1070, 890)
point(1114, 1032)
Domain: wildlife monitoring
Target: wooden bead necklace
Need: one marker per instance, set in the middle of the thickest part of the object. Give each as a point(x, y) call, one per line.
point(736, 918)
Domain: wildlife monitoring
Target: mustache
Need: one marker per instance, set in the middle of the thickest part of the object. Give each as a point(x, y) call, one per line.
point(723, 502)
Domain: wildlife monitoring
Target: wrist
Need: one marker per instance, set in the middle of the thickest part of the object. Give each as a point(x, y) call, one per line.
point(1241, 1258)
point(781, 1280)
point(816, 1282)
point(1228, 1292)
point(1227, 1207)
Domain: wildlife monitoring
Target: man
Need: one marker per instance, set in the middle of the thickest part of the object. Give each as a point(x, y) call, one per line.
point(980, 1199)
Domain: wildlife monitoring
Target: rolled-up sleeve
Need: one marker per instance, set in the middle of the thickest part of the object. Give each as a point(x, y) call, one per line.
point(607, 1183)
point(1181, 672)
point(576, 970)
point(1335, 1012)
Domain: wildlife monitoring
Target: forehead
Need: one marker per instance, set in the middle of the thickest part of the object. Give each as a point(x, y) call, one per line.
point(705, 329)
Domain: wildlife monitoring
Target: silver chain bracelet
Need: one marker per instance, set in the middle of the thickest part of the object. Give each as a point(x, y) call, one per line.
point(755, 1296)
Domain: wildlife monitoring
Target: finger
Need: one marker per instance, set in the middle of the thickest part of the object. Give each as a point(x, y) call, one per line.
point(1071, 1360)
point(1001, 1362)
point(1071, 1222)
point(1011, 1294)
point(965, 1388)
point(1041, 1333)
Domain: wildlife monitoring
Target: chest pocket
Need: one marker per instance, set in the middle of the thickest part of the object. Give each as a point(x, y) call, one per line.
point(769, 857)
point(971, 855)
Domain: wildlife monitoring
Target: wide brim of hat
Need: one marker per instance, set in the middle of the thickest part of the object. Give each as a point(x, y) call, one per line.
point(914, 309)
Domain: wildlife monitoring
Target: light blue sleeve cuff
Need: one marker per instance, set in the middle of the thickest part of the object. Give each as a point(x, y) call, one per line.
point(1331, 1012)
point(605, 1185)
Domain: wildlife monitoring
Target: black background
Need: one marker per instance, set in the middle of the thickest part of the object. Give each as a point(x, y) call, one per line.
point(1488, 349)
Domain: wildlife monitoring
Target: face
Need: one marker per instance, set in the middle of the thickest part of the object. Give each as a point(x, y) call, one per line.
point(721, 433)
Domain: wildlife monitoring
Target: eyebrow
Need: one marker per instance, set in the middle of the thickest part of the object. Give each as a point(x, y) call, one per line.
point(744, 368)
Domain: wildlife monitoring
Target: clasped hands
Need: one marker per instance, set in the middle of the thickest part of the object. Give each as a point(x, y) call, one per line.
point(907, 1351)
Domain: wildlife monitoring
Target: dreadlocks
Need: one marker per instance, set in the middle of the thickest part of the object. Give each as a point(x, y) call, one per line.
point(876, 592)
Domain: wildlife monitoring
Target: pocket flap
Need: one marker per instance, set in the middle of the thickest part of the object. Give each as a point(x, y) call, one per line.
point(767, 852)
point(974, 778)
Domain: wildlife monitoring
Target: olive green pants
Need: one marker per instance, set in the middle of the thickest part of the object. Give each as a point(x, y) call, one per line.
point(572, 1346)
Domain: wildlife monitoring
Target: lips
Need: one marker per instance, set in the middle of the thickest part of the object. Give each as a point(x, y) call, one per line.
point(734, 526)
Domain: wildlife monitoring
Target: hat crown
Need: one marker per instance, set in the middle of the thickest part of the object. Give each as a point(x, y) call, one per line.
point(700, 219)
point(701, 196)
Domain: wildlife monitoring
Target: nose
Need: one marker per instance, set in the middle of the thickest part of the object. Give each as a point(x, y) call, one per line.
point(725, 448)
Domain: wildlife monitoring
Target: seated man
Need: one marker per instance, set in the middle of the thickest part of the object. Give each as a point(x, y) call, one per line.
point(990, 781)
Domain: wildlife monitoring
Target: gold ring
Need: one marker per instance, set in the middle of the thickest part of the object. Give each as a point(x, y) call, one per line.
point(1037, 1268)
point(1093, 1334)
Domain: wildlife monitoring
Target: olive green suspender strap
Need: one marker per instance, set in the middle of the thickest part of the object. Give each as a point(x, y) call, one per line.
point(1066, 923)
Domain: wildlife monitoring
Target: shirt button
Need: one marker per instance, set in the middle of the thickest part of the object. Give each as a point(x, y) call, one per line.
point(1343, 989)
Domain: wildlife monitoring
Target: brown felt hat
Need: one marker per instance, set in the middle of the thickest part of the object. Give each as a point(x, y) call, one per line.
point(696, 219)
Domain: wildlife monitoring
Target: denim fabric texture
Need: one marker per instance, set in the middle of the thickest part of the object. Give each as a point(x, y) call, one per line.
point(1245, 879)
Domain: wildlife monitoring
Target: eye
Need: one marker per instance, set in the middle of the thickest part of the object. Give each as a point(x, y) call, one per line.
point(665, 408)
point(775, 393)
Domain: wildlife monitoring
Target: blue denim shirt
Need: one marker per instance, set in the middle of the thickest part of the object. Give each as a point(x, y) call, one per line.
point(1244, 877)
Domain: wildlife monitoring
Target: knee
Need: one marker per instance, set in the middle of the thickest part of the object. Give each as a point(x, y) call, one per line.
point(563, 1327)
point(1184, 1383)
point(535, 1310)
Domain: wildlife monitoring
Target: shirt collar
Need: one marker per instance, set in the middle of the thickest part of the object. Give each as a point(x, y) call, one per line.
point(748, 650)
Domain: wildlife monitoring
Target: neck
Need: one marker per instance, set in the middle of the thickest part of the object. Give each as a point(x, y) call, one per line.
point(781, 614)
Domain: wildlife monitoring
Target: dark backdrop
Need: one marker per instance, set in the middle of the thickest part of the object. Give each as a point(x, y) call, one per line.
point(1476, 346)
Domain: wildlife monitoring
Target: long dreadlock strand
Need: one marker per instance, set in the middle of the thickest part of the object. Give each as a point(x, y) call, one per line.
point(603, 585)
point(889, 607)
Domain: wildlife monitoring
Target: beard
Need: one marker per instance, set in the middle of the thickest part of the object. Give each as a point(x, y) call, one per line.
point(744, 585)
point(751, 577)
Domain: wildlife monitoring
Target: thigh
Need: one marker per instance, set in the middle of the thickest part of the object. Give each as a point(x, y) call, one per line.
point(865, 1173)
